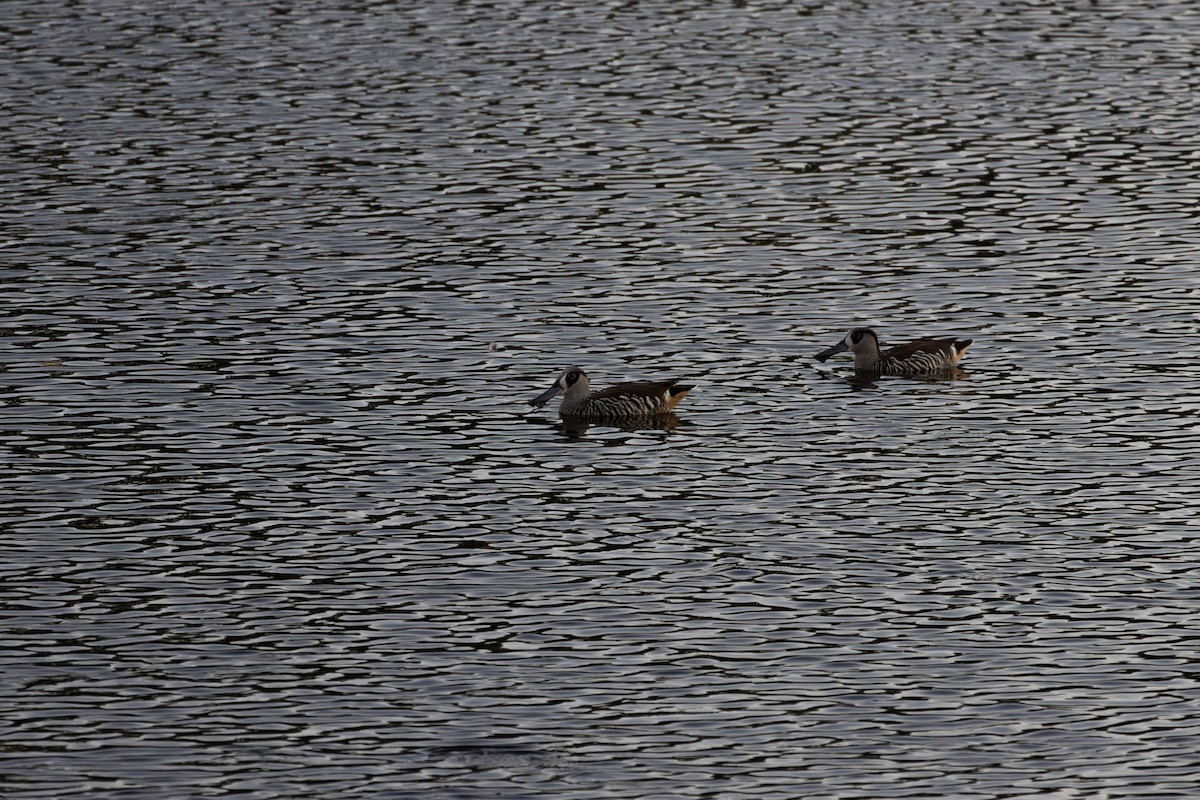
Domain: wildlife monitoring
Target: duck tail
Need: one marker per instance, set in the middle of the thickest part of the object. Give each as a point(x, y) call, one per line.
point(676, 393)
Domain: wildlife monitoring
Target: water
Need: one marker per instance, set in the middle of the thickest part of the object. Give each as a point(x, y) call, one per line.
point(279, 280)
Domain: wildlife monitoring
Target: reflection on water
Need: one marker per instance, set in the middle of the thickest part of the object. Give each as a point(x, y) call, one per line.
point(577, 426)
point(491, 756)
point(859, 380)
point(280, 525)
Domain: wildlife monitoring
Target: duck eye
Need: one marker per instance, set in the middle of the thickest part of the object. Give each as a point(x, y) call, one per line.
point(857, 337)
point(572, 376)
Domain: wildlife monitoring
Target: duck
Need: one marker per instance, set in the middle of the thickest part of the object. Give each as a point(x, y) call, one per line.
point(632, 399)
point(919, 357)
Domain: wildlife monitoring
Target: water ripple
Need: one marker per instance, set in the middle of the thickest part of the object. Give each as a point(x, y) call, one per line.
point(280, 279)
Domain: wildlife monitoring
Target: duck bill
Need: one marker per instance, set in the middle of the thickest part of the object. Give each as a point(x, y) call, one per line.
point(833, 351)
point(545, 396)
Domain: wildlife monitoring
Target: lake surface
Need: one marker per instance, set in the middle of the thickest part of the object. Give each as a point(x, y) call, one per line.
point(279, 279)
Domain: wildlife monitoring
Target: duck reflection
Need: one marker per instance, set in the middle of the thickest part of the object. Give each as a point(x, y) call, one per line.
point(575, 427)
point(861, 380)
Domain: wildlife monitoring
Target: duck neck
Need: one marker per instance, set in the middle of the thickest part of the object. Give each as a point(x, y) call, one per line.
point(575, 396)
point(868, 356)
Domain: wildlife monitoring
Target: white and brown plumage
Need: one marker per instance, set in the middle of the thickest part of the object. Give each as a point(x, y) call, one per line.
point(919, 357)
point(633, 399)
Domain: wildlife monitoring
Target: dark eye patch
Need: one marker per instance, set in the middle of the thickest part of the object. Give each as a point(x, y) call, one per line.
point(857, 337)
point(572, 377)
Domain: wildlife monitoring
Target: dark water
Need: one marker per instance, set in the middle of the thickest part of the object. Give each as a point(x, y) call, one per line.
point(278, 279)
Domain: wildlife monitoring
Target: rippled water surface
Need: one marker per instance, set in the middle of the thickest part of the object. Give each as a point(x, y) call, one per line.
point(279, 278)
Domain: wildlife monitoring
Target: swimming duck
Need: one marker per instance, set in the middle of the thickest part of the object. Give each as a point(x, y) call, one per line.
point(919, 357)
point(633, 399)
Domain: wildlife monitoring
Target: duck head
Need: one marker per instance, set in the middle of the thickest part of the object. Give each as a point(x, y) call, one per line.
point(572, 382)
point(859, 340)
